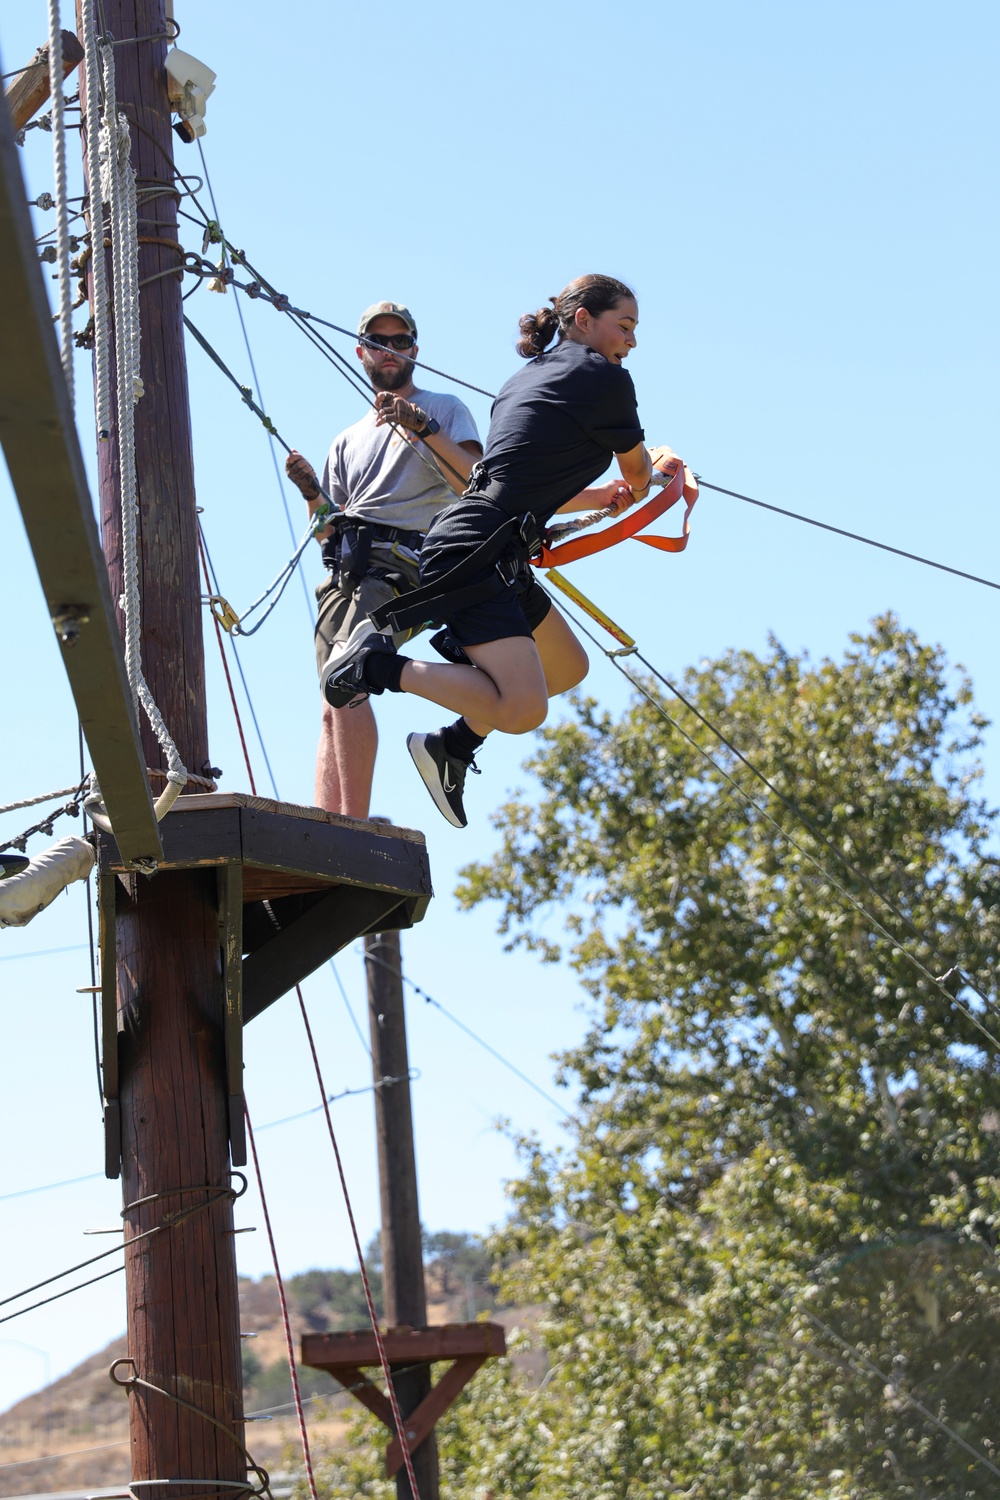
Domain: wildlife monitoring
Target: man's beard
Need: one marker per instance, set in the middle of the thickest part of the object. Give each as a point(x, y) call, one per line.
point(388, 380)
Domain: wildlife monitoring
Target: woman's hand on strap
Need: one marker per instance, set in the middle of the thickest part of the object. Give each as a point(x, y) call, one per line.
point(619, 496)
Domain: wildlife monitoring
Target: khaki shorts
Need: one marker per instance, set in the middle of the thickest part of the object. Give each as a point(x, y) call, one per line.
point(340, 611)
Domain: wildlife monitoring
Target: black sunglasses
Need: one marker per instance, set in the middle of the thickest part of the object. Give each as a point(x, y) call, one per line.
point(397, 341)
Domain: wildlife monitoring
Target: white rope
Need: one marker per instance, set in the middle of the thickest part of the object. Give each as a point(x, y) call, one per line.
point(34, 801)
point(62, 207)
point(92, 66)
point(118, 189)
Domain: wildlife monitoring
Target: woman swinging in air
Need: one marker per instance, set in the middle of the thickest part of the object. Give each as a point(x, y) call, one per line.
point(555, 426)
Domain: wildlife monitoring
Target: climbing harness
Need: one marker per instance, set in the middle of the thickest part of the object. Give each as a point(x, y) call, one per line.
point(518, 541)
point(347, 551)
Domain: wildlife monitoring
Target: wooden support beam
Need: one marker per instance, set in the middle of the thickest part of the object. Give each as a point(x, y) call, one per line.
point(31, 87)
point(230, 878)
point(404, 1290)
point(324, 928)
point(46, 469)
point(421, 1421)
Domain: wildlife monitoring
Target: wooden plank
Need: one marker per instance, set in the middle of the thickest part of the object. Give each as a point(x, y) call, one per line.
point(230, 878)
point(30, 89)
point(333, 922)
point(327, 1351)
point(375, 826)
point(46, 469)
point(421, 1422)
point(359, 855)
point(189, 841)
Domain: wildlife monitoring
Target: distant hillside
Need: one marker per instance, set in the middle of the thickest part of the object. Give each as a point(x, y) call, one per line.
point(83, 1417)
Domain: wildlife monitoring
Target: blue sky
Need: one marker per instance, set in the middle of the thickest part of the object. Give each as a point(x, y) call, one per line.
point(801, 196)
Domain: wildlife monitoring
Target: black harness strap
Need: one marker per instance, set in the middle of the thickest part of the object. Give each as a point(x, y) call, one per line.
point(435, 602)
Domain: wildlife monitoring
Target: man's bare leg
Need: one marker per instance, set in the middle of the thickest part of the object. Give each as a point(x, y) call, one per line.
point(345, 762)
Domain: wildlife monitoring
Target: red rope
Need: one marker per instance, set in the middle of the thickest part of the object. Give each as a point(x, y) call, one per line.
point(396, 1414)
point(225, 665)
point(286, 1323)
point(391, 1389)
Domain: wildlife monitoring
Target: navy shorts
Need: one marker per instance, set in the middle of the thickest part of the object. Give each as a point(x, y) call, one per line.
point(518, 609)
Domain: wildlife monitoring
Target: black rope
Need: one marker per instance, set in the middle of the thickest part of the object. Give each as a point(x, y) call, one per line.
point(66, 1293)
point(853, 536)
point(169, 1221)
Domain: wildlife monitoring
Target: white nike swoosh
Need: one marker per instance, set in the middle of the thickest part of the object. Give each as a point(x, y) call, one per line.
point(449, 785)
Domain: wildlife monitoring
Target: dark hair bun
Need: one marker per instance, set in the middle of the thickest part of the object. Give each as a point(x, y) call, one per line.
point(538, 329)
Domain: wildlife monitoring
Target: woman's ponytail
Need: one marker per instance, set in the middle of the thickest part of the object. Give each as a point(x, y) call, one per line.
point(596, 293)
point(538, 329)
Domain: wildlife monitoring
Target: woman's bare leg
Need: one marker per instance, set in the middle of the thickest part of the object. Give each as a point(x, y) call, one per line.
point(564, 663)
point(505, 689)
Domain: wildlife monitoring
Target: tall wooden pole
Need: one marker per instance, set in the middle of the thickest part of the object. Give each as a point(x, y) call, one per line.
point(183, 1311)
point(402, 1240)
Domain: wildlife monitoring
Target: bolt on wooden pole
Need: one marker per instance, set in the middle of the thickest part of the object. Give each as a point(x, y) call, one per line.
point(181, 1287)
point(402, 1240)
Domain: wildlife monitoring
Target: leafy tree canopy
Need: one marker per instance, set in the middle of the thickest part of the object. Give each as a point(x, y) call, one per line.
point(767, 1257)
point(775, 1229)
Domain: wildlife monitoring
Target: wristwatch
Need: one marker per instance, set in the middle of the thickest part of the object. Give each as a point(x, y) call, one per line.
point(430, 427)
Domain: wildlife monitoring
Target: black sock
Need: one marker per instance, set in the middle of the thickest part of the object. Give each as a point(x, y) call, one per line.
point(461, 742)
point(383, 669)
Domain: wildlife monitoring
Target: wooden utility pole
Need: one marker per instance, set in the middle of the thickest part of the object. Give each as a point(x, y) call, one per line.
point(183, 1311)
point(402, 1241)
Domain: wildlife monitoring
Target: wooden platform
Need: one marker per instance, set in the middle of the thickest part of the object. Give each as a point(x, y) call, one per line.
point(344, 1356)
point(295, 886)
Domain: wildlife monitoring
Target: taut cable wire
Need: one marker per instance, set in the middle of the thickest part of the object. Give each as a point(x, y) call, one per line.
point(904, 952)
point(854, 536)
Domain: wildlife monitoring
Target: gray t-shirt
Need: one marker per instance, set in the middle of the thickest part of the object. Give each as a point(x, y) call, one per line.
point(373, 472)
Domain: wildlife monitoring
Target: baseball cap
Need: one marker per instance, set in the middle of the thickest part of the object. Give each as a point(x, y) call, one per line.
point(386, 310)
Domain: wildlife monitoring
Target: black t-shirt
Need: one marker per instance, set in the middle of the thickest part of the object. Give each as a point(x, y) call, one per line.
point(555, 426)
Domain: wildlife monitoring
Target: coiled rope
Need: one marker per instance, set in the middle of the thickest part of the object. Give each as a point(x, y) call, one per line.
point(61, 202)
point(117, 177)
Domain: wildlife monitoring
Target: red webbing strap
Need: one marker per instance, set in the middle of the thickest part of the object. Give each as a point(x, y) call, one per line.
point(631, 522)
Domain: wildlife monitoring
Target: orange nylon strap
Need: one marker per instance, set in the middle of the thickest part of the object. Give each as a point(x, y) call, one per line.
point(632, 522)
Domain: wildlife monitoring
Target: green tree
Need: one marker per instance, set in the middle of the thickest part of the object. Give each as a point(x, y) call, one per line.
point(775, 1229)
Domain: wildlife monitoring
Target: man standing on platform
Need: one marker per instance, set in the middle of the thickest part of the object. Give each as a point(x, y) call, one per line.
point(389, 475)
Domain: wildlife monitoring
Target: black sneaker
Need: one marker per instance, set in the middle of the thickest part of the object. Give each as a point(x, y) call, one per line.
point(444, 775)
point(12, 864)
point(343, 677)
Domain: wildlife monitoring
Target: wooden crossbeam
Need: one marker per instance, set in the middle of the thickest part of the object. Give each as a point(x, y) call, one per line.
point(31, 87)
point(344, 1356)
point(46, 468)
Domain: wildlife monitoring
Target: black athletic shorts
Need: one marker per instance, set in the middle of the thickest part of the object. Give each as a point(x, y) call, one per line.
point(455, 532)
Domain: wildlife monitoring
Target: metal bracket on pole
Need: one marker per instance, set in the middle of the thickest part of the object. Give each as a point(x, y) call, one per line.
point(107, 902)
